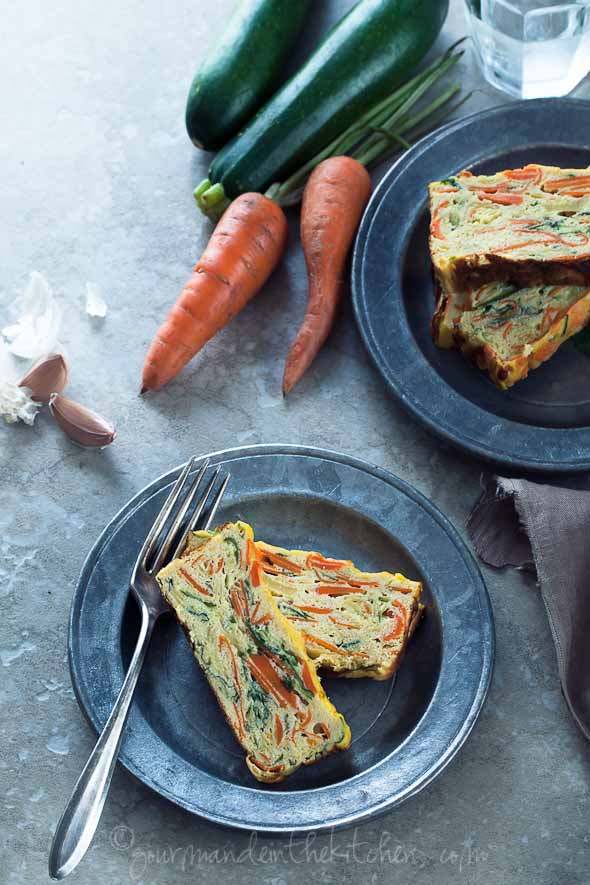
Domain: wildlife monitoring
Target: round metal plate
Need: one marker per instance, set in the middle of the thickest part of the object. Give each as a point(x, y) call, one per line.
point(404, 731)
point(543, 423)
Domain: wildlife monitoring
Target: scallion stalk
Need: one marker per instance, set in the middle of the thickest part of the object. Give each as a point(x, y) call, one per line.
point(382, 128)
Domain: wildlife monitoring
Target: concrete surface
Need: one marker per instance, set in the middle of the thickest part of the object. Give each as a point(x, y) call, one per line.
point(97, 175)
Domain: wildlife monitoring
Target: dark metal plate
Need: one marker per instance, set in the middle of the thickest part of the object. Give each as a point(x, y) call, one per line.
point(543, 423)
point(404, 731)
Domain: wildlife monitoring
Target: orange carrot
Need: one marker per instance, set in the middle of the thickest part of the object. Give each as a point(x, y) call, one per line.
point(526, 174)
point(336, 589)
point(435, 224)
point(566, 184)
point(315, 609)
point(308, 678)
point(355, 583)
point(502, 199)
point(334, 648)
point(397, 630)
point(399, 621)
point(316, 560)
point(244, 249)
point(193, 583)
point(343, 624)
point(267, 677)
point(281, 561)
point(333, 202)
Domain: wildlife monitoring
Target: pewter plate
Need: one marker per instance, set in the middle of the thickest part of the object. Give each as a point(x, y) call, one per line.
point(405, 731)
point(540, 424)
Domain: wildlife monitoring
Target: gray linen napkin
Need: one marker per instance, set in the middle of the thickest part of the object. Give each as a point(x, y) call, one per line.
point(526, 525)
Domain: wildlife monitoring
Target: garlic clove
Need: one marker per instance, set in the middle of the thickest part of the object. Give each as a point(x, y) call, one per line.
point(82, 425)
point(48, 375)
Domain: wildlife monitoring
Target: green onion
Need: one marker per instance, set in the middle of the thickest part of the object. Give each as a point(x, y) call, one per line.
point(382, 128)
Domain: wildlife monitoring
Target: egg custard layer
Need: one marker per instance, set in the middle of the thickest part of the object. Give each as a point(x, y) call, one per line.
point(515, 330)
point(528, 226)
point(354, 623)
point(253, 658)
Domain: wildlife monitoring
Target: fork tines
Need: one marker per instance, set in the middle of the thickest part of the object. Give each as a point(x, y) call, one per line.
point(188, 516)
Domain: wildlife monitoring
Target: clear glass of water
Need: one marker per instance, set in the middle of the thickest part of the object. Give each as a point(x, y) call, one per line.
point(531, 48)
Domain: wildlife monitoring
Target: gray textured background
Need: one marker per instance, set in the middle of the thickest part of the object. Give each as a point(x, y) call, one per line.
point(97, 174)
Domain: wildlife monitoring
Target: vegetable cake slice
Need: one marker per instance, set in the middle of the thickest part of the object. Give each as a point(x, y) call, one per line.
point(519, 329)
point(450, 307)
point(253, 658)
point(353, 623)
point(526, 226)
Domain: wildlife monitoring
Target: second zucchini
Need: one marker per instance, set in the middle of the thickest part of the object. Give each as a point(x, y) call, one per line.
point(243, 69)
point(367, 54)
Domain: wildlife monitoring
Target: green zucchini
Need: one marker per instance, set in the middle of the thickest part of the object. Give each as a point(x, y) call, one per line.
point(243, 69)
point(364, 57)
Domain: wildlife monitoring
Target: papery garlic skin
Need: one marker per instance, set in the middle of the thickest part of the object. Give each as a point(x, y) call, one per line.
point(96, 306)
point(37, 328)
point(16, 403)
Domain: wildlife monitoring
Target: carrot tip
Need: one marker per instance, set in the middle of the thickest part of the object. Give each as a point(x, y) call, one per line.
point(143, 390)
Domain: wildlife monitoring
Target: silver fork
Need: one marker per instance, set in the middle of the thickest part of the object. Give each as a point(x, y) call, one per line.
point(80, 819)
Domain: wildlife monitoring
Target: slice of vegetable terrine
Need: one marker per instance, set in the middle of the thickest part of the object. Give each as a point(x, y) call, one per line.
point(354, 623)
point(525, 226)
point(253, 658)
point(514, 330)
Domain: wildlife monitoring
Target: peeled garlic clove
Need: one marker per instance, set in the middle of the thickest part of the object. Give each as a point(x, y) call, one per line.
point(49, 375)
point(81, 425)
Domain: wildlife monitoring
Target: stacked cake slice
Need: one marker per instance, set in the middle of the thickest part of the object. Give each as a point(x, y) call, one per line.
point(511, 257)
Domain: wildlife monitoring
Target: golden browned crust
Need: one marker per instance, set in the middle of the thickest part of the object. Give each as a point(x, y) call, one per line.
point(441, 303)
point(474, 271)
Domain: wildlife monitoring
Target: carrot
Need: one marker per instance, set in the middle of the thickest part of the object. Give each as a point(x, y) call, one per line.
point(333, 202)
point(270, 681)
point(343, 624)
point(304, 718)
point(336, 589)
point(334, 648)
point(281, 561)
point(399, 621)
point(502, 199)
point(488, 188)
point(316, 610)
point(526, 174)
point(244, 249)
point(512, 246)
point(566, 184)
point(398, 628)
point(193, 583)
point(435, 224)
point(254, 564)
point(316, 560)
point(308, 678)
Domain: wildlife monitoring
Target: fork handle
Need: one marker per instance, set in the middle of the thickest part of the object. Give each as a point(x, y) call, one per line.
point(80, 819)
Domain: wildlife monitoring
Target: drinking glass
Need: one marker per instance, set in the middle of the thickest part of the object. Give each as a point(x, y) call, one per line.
point(531, 48)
